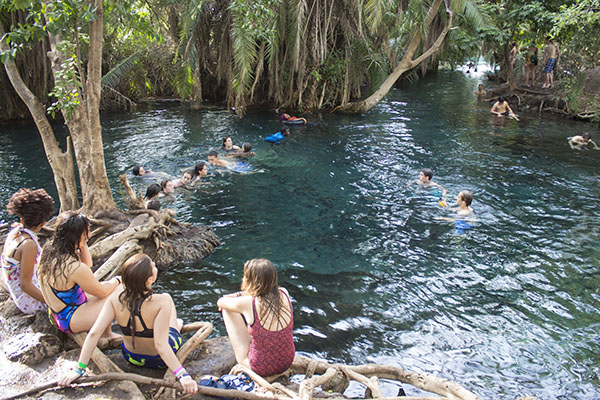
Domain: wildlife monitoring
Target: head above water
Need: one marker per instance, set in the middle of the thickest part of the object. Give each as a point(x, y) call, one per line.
point(466, 196)
point(260, 277)
point(152, 191)
point(138, 170)
point(246, 147)
point(227, 142)
point(284, 117)
point(501, 99)
point(200, 169)
point(480, 86)
point(33, 206)
point(285, 131)
point(586, 136)
point(154, 205)
point(427, 173)
point(187, 176)
point(167, 186)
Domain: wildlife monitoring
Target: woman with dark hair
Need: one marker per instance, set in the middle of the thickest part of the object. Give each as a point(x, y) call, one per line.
point(21, 253)
point(148, 322)
point(152, 193)
point(228, 145)
point(70, 289)
point(260, 320)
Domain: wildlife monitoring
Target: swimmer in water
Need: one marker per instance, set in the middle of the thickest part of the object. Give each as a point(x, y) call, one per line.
point(480, 92)
point(246, 151)
point(138, 170)
point(200, 171)
point(278, 136)
point(580, 142)
point(287, 117)
point(228, 145)
point(184, 180)
point(425, 181)
point(152, 193)
point(464, 210)
point(502, 109)
point(213, 158)
point(167, 187)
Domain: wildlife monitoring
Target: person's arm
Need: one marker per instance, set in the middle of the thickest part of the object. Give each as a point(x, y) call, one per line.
point(28, 255)
point(237, 302)
point(511, 113)
point(595, 145)
point(161, 343)
point(83, 276)
point(305, 120)
point(105, 318)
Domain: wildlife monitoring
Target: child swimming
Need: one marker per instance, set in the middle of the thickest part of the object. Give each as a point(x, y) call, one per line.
point(184, 180)
point(213, 158)
point(278, 136)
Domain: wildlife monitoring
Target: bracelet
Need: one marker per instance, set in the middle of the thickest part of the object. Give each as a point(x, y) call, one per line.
point(82, 365)
point(238, 294)
point(179, 378)
point(118, 279)
point(178, 370)
point(180, 373)
point(79, 371)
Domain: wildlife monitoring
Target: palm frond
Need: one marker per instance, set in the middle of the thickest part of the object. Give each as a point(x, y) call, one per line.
point(374, 12)
point(112, 78)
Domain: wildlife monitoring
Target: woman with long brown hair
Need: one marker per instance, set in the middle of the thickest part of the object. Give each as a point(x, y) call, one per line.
point(260, 320)
point(148, 322)
point(71, 291)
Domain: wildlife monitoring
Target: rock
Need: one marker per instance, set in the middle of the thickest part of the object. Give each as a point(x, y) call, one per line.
point(31, 348)
point(592, 81)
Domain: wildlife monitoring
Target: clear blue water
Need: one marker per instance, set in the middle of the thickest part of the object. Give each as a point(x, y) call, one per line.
point(509, 308)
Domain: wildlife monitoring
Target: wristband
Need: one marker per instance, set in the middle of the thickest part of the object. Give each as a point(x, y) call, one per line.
point(178, 370)
point(181, 373)
point(79, 371)
point(82, 365)
point(183, 376)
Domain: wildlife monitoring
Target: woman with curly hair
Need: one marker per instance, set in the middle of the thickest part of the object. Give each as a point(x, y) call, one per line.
point(22, 250)
point(70, 289)
point(148, 322)
point(259, 320)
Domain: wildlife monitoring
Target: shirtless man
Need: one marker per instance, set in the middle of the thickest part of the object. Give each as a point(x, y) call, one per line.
point(580, 142)
point(480, 92)
point(213, 158)
point(502, 109)
point(551, 57)
point(426, 182)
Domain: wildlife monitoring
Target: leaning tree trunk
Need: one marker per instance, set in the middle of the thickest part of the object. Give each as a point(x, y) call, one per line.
point(60, 162)
point(84, 121)
point(406, 64)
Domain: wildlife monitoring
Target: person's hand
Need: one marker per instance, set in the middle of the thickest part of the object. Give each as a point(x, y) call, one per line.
point(68, 378)
point(189, 385)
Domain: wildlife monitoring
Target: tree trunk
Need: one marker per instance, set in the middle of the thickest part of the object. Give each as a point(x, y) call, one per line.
point(61, 163)
point(406, 64)
point(84, 122)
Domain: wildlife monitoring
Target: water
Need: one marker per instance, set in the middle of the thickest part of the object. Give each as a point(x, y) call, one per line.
point(507, 309)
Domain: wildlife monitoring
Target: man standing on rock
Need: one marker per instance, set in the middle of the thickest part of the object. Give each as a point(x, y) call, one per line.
point(551, 57)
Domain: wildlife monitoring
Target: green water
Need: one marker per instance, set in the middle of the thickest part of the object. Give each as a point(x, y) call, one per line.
point(507, 309)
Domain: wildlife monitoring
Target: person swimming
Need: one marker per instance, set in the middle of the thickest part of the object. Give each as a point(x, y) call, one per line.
point(184, 180)
point(580, 142)
point(213, 158)
point(246, 151)
point(138, 170)
point(278, 136)
point(228, 145)
point(425, 181)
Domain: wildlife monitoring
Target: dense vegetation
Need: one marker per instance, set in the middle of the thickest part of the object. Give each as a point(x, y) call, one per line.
point(294, 54)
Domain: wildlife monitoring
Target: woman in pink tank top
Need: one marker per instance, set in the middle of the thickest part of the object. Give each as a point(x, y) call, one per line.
point(259, 320)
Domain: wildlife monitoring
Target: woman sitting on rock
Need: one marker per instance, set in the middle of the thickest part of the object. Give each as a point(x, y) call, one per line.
point(70, 289)
point(148, 322)
point(21, 252)
point(259, 320)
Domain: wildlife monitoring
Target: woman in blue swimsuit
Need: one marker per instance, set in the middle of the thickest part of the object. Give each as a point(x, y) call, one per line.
point(148, 322)
point(73, 294)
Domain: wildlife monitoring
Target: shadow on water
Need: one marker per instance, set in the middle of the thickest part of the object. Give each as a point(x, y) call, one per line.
point(508, 308)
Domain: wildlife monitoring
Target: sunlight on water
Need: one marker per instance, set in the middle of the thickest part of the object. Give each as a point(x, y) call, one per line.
point(508, 308)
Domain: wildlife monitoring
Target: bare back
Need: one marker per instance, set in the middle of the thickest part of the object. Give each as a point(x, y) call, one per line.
point(275, 322)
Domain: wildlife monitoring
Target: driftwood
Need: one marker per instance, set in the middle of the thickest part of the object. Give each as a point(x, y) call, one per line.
point(135, 200)
point(112, 266)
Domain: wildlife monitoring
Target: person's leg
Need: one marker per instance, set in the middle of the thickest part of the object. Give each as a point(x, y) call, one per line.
point(238, 336)
point(86, 314)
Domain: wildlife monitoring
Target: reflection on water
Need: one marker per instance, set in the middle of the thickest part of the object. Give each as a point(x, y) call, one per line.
point(508, 308)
